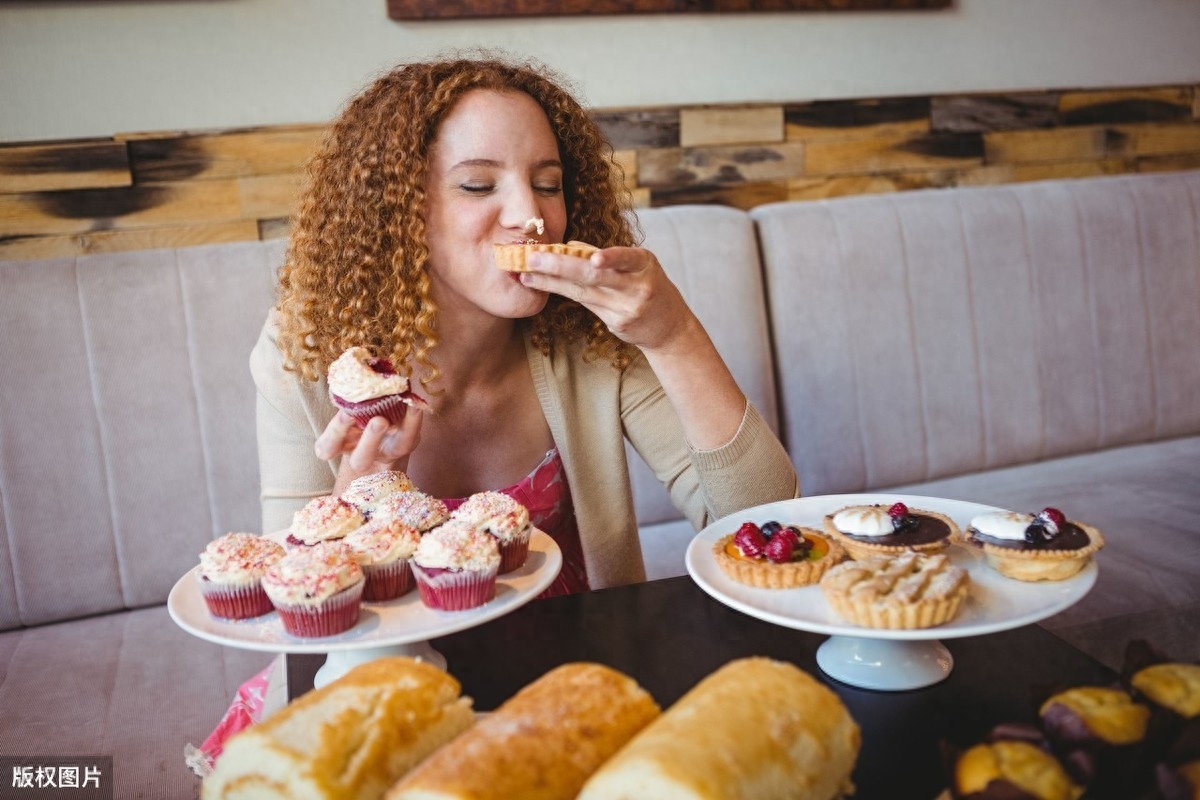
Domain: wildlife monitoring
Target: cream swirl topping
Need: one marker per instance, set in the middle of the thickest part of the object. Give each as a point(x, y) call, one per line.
point(457, 545)
point(366, 492)
point(323, 518)
point(496, 513)
point(1002, 524)
point(417, 509)
point(239, 558)
point(864, 521)
point(383, 542)
point(311, 575)
point(352, 378)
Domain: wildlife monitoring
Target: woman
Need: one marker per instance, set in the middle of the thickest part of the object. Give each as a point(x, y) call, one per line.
point(532, 381)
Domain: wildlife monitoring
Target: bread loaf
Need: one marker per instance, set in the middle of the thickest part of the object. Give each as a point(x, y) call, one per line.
point(756, 729)
point(542, 744)
point(351, 738)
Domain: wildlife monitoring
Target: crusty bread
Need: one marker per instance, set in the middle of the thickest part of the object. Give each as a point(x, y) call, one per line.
point(756, 729)
point(540, 745)
point(514, 257)
point(351, 738)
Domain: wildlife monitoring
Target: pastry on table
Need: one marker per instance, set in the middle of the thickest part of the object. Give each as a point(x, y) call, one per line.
point(230, 575)
point(890, 529)
point(755, 729)
point(316, 590)
point(1101, 732)
point(541, 744)
point(455, 566)
point(503, 517)
point(366, 491)
point(415, 509)
point(1034, 547)
point(364, 387)
point(384, 551)
point(776, 556)
point(323, 519)
point(1006, 769)
point(352, 738)
point(904, 591)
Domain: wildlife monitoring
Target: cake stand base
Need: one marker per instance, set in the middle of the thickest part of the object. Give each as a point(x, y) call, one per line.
point(887, 665)
point(339, 662)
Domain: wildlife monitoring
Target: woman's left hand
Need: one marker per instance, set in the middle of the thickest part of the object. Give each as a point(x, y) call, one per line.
point(625, 287)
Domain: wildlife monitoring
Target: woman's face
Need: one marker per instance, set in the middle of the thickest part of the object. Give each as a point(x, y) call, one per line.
point(494, 166)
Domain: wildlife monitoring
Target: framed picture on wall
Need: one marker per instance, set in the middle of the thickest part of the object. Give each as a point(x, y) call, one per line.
point(460, 9)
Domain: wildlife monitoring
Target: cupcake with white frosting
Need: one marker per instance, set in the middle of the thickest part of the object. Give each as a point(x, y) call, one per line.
point(316, 590)
point(503, 517)
point(365, 492)
point(323, 519)
point(383, 551)
point(230, 575)
point(364, 387)
point(415, 509)
point(455, 567)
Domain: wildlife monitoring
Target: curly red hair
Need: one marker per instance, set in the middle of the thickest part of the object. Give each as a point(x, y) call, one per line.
point(356, 269)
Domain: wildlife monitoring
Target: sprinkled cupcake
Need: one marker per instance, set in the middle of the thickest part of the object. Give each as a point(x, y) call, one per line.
point(323, 519)
point(415, 509)
point(383, 550)
point(317, 590)
point(455, 566)
point(502, 517)
point(230, 575)
point(365, 493)
point(366, 387)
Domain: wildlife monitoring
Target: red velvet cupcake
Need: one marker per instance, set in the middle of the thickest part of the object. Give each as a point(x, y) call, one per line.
point(366, 492)
point(501, 516)
point(316, 590)
point(323, 519)
point(415, 509)
point(456, 566)
point(230, 575)
point(366, 387)
point(383, 550)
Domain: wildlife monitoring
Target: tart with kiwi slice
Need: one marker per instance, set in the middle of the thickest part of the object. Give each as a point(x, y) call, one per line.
point(1034, 547)
point(776, 556)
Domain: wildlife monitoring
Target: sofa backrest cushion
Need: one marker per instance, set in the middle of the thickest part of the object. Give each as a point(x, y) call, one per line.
point(127, 431)
point(940, 332)
point(711, 254)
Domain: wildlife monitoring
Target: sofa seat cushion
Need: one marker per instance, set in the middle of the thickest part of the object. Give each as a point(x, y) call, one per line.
point(1143, 498)
point(131, 685)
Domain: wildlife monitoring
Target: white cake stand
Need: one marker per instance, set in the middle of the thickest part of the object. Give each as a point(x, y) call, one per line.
point(870, 658)
point(398, 627)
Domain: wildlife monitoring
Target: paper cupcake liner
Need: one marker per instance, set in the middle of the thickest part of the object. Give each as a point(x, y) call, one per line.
point(391, 407)
point(448, 590)
point(513, 553)
point(335, 615)
point(235, 602)
point(387, 581)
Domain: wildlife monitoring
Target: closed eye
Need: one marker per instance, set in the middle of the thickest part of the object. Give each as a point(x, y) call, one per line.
point(476, 188)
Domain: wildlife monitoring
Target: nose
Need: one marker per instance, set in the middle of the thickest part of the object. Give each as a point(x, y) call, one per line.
point(520, 210)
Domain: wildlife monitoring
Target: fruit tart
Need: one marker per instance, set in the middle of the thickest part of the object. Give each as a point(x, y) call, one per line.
point(1034, 547)
point(888, 530)
point(776, 556)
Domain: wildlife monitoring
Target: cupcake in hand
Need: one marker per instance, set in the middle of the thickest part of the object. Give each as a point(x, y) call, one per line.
point(230, 575)
point(316, 590)
point(383, 550)
point(455, 566)
point(366, 387)
point(501, 516)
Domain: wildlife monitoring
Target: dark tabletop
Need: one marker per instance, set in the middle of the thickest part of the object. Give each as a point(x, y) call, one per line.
point(669, 634)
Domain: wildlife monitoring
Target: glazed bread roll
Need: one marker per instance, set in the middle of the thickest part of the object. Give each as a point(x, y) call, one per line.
point(542, 744)
point(756, 729)
point(351, 738)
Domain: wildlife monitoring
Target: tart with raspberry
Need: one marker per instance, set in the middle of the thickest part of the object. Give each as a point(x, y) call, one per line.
point(888, 530)
point(776, 556)
point(1034, 547)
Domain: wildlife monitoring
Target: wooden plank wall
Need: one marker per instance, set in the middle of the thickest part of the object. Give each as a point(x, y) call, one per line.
point(171, 189)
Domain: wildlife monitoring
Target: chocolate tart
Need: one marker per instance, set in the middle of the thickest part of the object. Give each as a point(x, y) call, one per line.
point(1054, 559)
point(766, 574)
point(928, 532)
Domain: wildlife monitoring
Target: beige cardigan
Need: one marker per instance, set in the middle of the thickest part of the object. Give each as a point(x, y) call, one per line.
point(591, 408)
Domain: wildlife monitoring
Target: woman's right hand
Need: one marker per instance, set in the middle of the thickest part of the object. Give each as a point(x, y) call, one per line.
point(376, 448)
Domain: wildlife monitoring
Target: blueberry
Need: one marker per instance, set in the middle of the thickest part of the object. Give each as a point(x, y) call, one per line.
point(1036, 533)
point(771, 528)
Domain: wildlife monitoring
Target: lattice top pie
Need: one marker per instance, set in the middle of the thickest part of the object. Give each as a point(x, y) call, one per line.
point(909, 590)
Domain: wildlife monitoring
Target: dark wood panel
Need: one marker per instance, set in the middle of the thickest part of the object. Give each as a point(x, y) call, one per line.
point(442, 9)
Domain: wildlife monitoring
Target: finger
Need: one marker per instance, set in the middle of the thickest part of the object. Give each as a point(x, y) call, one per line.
point(332, 440)
point(400, 440)
point(366, 452)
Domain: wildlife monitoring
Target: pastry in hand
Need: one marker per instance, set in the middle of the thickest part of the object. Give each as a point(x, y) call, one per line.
point(905, 591)
point(873, 530)
point(1034, 547)
point(514, 256)
point(776, 556)
point(365, 387)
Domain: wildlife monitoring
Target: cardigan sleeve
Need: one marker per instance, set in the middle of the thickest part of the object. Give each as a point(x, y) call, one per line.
point(705, 485)
point(289, 416)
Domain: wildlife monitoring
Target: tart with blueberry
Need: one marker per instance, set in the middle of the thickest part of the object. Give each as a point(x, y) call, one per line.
point(883, 530)
point(1034, 547)
point(776, 556)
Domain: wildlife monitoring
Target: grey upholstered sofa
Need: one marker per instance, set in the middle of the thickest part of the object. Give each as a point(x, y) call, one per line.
point(1020, 346)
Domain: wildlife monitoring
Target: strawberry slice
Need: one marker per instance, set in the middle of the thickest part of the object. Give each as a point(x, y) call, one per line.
point(779, 549)
point(750, 540)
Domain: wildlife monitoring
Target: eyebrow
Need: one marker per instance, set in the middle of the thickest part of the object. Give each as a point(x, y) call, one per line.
point(487, 162)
